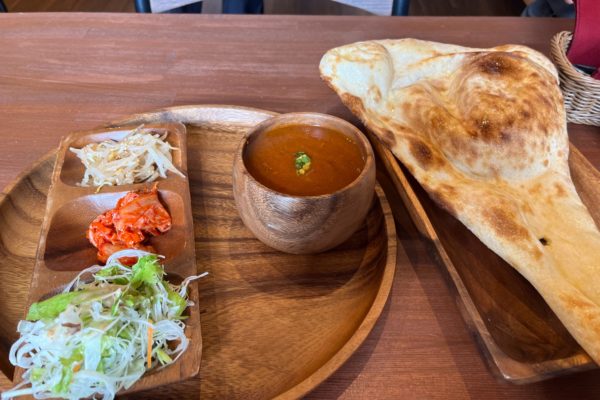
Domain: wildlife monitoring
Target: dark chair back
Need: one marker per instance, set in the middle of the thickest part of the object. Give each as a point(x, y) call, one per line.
point(400, 7)
point(143, 6)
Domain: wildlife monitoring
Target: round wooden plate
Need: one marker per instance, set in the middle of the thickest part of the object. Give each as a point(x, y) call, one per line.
point(274, 325)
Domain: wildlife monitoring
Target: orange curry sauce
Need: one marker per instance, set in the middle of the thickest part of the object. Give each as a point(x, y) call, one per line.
point(335, 159)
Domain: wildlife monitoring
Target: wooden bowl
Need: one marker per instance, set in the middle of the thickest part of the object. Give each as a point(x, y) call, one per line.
point(303, 224)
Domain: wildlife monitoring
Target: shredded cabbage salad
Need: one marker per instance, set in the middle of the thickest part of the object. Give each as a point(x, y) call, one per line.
point(107, 327)
point(141, 156)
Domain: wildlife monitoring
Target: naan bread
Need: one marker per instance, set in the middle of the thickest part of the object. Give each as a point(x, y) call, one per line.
point(484, 132)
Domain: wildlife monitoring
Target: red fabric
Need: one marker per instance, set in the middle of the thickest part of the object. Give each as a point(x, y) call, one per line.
point(585, 46)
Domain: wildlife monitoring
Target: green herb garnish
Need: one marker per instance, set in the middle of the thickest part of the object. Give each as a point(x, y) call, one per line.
point(302, 162)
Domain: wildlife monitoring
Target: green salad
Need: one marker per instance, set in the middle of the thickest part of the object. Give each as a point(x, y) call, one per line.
point(103, 332)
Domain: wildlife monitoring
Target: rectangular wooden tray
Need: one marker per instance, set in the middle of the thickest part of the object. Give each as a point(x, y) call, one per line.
point(63, 249)
point(521, 338)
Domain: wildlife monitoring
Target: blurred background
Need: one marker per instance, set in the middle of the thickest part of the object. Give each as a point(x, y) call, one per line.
point(356, 7)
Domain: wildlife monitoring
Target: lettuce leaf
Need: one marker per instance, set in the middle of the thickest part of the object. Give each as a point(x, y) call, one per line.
point(112, 271)
point(52, 307)
point(146, 271)
point(180, 302)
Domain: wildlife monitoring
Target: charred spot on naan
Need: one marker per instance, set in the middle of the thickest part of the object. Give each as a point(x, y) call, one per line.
point(387, 137)
point(544, 241)
point(421, 152)
point(375, 93)
point(560, 190)
point(536, 253)
point(497, 63)
point(526, 208)
point(354, 103)
point(580, 304)
point(536, 190)
point(357, 107)
point(505, 223)
point(424, 155)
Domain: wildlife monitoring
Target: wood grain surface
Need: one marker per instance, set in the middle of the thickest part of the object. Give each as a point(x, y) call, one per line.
point(275, 325)
point(115, 65)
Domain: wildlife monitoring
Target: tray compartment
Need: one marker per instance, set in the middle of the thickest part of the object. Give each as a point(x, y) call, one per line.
point(68, 249)
point(72, 169)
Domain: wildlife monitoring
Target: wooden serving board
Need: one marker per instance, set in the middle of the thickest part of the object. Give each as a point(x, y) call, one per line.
point(521, 338)
point(274, 325)
point(63, 249)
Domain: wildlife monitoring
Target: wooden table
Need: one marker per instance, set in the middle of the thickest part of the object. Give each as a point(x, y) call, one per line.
point(64, 72)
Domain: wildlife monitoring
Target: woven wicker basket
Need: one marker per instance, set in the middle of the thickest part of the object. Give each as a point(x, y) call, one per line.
point(581, 91)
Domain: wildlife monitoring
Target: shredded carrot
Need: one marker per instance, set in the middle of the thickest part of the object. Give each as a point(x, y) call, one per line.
point(150, 332)
point(76, 367)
